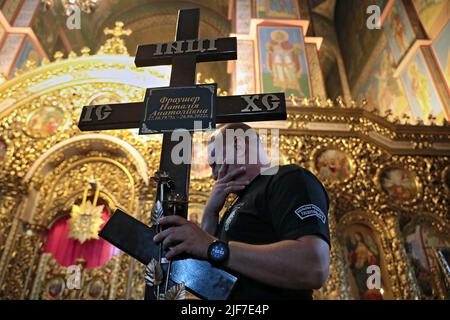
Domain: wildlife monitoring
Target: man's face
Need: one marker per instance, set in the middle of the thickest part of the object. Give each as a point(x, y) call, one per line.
point(221, 167)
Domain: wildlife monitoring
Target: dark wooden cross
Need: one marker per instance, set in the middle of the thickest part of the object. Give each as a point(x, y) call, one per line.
point(184, 53)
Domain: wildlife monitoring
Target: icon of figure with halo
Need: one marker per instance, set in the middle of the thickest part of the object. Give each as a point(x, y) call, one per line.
point(283, 61)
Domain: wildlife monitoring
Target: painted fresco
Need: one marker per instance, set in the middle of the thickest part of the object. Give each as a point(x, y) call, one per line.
point(441, 48)
point(283, 63)
point(429, 12)
point(399, 31)
point(382, 90)
point(277, 9)
point(30, 53)
point(421, 91)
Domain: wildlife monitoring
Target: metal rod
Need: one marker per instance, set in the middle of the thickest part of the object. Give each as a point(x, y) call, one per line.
point(161, 197)
point(170, 262)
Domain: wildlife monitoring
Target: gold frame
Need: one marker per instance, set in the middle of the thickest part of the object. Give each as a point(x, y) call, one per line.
point(46, 294)
point(86, 294)
point(27, 178)
point(66, 121)
point(320, 150)
point(391, 166)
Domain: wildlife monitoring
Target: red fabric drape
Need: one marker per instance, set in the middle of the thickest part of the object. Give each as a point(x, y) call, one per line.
point(66, 251)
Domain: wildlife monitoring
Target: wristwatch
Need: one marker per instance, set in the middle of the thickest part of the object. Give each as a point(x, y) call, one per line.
point(218, 252)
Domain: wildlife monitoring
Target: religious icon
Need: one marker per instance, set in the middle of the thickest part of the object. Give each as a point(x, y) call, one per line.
point(333, 165)
point(95, 288)
point(399, 184)
point(362, 251)
point(2, 152)
point(421, 242)
point(54, 288)
point(283, 63)
point(44, 122)
point(399, 31)
point(421, 90)
point(277, 9)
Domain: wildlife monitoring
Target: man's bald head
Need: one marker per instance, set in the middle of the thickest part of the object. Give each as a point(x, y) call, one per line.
point(238, 143)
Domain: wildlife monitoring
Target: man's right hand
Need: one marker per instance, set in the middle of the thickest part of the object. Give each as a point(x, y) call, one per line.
point(227, 183)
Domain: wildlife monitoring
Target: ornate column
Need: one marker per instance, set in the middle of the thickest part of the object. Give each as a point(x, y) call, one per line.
point(134, 283)
point(406, 279)
point(11, 206)
point(23, 262)
point(337, 286)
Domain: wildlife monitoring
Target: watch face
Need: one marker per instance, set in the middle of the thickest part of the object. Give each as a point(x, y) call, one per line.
point(218, 251)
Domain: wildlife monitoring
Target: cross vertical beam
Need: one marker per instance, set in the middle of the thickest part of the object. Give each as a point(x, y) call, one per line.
point(183, 74)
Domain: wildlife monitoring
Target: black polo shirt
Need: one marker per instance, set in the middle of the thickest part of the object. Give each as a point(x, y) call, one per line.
point(283, 206)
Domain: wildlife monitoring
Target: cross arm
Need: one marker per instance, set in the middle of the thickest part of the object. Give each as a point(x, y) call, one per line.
point(245, 108)
point(205, 50)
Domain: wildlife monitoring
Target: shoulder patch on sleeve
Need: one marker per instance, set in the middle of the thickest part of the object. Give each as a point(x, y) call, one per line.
point(310, 210)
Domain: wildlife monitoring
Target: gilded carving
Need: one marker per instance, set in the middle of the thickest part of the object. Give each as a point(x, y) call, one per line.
point(43, 175)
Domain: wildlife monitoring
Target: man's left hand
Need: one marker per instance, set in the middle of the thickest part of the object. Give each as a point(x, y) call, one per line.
point(183, 237)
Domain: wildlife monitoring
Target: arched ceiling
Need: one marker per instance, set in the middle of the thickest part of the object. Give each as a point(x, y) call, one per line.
point(323, 13)
point(151, 21)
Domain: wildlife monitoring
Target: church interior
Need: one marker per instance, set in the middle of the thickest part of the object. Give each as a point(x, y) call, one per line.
point(368, 109)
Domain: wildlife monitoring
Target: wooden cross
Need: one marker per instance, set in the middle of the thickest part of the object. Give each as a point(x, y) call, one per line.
point(184, 53)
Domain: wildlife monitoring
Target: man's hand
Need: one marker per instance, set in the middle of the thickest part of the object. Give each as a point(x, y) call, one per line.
point(225, 185)
point(183, 237)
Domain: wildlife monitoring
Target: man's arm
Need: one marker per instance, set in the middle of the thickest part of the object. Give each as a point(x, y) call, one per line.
point(209, 222)
point(293, 264)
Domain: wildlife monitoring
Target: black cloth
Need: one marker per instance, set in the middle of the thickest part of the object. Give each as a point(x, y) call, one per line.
point(283, 206)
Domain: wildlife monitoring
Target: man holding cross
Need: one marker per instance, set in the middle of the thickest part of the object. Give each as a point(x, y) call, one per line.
point(275, 235)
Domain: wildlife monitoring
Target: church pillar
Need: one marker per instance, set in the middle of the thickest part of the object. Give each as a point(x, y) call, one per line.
point(11, 205)
point(18, 274)
point(338, 284)
point(134, 284)
point(22, 247)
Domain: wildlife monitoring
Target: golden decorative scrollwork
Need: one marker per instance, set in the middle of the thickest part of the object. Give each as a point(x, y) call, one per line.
point(42, 178)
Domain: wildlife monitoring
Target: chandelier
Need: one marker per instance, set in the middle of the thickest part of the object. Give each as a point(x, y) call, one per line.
point(87, 6)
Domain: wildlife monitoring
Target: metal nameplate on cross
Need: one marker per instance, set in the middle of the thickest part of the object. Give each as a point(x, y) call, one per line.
point(173, 179)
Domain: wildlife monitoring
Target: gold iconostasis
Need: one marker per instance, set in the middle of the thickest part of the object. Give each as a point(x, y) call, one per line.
point(384, 158)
